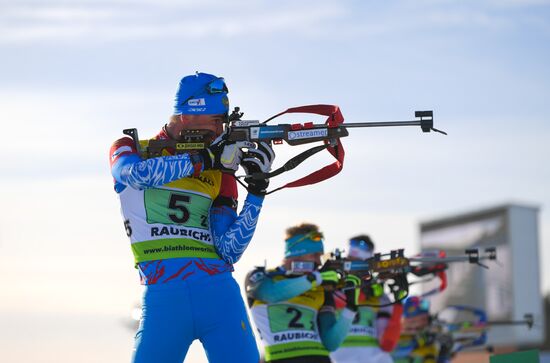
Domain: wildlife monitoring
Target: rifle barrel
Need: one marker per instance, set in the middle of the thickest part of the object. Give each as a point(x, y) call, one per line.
point(382, 123)
point(446, 259)
point(508, 322)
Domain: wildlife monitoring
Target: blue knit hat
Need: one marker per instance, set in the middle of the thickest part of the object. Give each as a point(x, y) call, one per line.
point(201, 94)
point(303, 244)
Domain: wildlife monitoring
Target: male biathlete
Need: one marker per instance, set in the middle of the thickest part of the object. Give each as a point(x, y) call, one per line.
point(294, 314)
point(416, 345)
point(179, 212)
point(375, 331)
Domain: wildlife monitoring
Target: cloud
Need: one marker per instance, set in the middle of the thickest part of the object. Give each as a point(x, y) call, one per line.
point(145, 20)
point(56, 13)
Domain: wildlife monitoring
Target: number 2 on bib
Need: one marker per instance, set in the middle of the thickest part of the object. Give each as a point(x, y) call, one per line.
point(283, 317)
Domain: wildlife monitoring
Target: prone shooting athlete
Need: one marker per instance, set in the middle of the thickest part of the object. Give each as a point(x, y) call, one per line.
point(416, 344)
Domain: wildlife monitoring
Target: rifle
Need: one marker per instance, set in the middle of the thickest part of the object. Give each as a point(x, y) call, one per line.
point(453, 337)
point(237, 129)
point(391, 270)
point(459, 335)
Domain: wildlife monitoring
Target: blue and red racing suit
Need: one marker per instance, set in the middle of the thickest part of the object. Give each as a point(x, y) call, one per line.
point(185, 235)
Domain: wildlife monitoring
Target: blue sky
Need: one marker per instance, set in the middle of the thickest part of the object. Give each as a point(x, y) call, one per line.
point(75, 73)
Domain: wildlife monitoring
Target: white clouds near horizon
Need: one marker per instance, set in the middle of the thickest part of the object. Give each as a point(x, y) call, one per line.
point(119, 21)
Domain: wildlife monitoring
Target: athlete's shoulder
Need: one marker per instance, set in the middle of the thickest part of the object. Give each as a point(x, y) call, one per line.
point(255, 278)
point(124, 141)
point(252, 280)
point(260, 273)
point(257, 274)
point(122, 146)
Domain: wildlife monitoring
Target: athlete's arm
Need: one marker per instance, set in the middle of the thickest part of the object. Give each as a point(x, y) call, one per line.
point(333, 331)
point(388, 325)
point(275, 291)
point(232, 236)
point(260, 286)
point(233, 233)
point(129, 169)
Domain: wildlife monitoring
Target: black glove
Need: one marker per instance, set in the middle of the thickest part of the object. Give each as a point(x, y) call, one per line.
point(258, 160)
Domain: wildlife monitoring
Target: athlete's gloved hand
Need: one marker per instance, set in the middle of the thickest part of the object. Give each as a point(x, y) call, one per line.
point(329, 277)
point(224, 155)
point(375, 290)
point(424, 338)
point(352, 289)
point(258, 160)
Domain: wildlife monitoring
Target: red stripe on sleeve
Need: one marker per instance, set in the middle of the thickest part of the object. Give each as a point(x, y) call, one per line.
point(389, 340)
point(120, 147)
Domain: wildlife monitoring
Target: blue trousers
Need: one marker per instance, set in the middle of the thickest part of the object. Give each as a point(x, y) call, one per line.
point(210, 309)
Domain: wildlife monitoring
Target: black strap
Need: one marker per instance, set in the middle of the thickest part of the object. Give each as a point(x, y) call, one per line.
point(290, 164)
point(222, 200)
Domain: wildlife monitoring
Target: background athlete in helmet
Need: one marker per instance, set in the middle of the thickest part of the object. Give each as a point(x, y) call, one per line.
point(293, 313)
point(416, 345)
point(180, 215)
point(375, 331)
